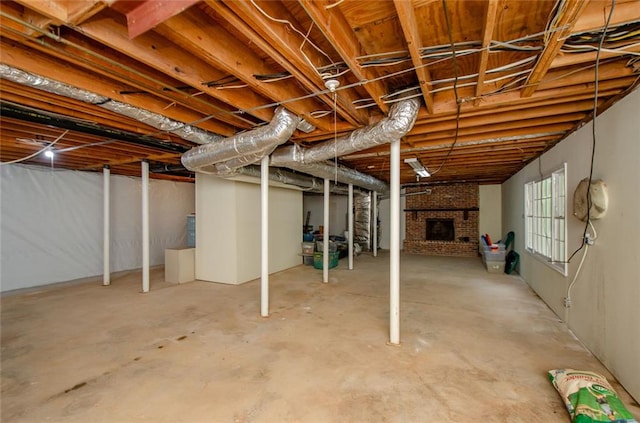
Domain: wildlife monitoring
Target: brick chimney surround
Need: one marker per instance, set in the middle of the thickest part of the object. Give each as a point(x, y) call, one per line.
point(439, 205)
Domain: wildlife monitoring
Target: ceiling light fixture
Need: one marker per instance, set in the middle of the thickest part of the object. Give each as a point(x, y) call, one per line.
point(417, 167)
point(49, 154)
point(332, 85)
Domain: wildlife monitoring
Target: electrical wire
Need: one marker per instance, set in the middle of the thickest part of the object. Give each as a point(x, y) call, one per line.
point(305, 37)
point(48, 147)
point(455, 90)
point(593, 130)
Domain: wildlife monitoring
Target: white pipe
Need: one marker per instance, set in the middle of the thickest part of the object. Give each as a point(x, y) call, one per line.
point(350, 226)
point(375, 224)
point(394, 268)
point(264, 230)
point(325, 234)
point(106, 270)
point(145, 226)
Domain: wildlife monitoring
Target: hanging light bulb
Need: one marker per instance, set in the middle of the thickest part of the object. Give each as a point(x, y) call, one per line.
point(49, 154)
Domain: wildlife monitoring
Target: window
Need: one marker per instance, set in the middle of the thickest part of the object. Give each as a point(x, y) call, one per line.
point(545, 204)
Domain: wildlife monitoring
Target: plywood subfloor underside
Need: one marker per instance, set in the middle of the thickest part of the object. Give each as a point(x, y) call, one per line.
point(475, 347)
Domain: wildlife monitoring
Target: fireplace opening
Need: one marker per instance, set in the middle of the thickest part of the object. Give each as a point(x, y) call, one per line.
point(440, 230)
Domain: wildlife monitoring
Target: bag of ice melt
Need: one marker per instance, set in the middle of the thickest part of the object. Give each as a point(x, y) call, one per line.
point(589, 398)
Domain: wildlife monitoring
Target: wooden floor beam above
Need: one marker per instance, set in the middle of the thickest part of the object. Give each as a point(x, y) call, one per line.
point(524, 72)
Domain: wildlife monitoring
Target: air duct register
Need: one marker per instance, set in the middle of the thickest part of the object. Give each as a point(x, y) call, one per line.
point(597, 195)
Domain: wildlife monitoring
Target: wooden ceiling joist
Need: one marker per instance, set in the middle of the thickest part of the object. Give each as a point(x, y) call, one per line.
point(407, 17)
point(567, 16)
point(218, 48)
point(338, 31)
point(286, 47)
point(225, 66)
point(151, 13)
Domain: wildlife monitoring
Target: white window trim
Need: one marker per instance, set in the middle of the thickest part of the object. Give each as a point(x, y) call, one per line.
point(559, 266)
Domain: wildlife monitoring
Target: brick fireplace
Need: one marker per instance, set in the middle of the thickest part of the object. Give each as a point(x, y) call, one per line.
point(442, 221)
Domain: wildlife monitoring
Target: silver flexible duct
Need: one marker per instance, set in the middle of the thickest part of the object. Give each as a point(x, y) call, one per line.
point(362, 221)
point(342, 174)
point(305, 182)
point(158, 121)
point(402, 116)
point(223, 157)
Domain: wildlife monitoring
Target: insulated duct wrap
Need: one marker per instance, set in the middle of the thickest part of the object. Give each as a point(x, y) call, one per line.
point(402, 116)
point(304, 182)
point(248, 147)
point(342, 174)
point(25, 78)
point(163, 123)
point(158, 121)
point(362, 221)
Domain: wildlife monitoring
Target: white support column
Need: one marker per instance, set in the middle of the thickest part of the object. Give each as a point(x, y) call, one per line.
point(375, 223)
point(325, 235)
point(106, 241)
point(394, 268)
point(264, 238)
point(145, 226)
point(350, 226)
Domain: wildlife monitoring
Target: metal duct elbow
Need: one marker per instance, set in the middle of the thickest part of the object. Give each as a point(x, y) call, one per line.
point(402, 116)
point(245, 148)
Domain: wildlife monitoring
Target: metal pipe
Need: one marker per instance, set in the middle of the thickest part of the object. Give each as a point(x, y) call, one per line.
point(350, 225)
point(394, 267)
point(325, 234)
point(374, 219)
point(145, 226)
point(264, 239)
point(106, 242)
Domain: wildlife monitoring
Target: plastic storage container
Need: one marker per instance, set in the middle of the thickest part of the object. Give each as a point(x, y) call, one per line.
point(498, 255)
point(494, 266)
point(333, 247)
point(317, 260)
point(307, 247)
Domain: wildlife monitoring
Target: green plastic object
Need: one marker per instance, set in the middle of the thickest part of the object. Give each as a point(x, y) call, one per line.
point(511, 262)
point(333, 260)
point(509, 240)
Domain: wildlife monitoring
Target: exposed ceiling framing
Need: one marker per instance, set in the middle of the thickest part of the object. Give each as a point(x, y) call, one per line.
point(518, 78)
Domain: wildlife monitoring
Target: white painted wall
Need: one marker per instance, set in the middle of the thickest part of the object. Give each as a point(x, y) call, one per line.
point(51, 224)
point(605, 314)
point(228, 229)
point(490, 214)
point(338, 207)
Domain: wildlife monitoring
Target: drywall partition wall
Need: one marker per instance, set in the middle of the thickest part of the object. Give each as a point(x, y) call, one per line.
point(51, 224)
point(605, 311)
point(490, 215)
point(228, 229)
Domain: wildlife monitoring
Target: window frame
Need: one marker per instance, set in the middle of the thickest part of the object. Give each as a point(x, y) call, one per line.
point(545, 219)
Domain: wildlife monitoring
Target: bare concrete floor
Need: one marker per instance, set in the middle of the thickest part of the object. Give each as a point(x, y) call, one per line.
point(475, 347)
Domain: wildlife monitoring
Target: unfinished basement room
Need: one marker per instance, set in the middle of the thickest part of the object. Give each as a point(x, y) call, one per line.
point(301, 211)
